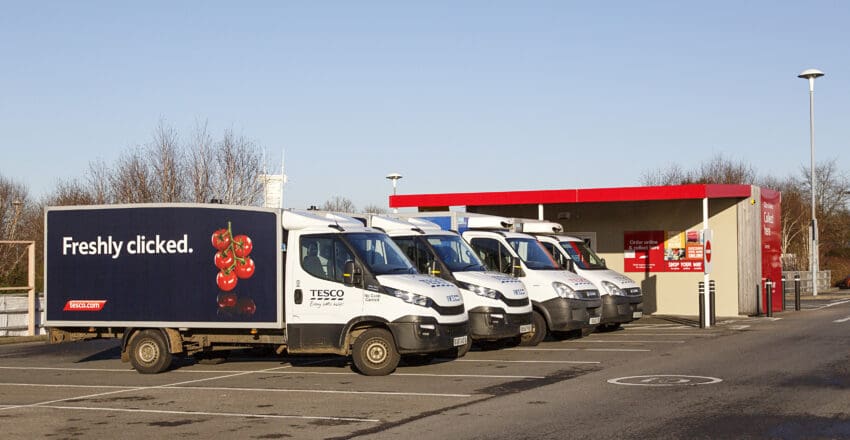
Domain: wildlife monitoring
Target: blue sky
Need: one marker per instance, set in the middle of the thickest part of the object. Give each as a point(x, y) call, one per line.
point(455, 96)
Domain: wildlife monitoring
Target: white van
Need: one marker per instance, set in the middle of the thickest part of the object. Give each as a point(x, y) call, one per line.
point(622, 300)
point(563, 303)
point(498, 305)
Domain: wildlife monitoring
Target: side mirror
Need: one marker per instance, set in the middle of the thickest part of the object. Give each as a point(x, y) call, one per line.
point(571, 265)
point(351, 274)
point(517, 268)
point(604, 264)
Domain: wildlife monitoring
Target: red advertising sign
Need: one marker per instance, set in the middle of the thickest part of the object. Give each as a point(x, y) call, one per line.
point(662, 251)
point(771, 242)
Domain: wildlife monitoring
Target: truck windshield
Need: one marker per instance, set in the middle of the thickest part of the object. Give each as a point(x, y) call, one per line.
point(455, 253)
point(380, 253)
point(582, 255)
point(533, 254)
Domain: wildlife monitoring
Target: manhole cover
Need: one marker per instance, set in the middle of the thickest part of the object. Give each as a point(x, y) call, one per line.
point(664, 380)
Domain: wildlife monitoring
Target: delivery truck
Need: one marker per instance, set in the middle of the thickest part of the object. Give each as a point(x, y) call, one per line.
point(564, 304)
point(498, 305)
point(200, 279)
point(622, 300)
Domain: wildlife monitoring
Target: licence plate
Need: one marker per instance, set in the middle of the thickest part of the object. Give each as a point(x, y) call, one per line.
point(595, 320)
point(525, 328)
point(460, 340)
point(637, 315)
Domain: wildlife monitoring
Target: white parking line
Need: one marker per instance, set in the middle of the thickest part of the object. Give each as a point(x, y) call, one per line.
point(202, 413)
point(844, 301)
point(526, 362)
point(579, 349)
point(842, 319)
point(701, 334)
point(620, 341)
point(253, 390)
point(286, 372)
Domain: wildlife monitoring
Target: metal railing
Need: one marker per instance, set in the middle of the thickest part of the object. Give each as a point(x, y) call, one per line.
point(30, 287)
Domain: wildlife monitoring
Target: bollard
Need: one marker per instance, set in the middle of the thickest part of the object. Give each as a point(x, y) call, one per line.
point(702, 304)
point(712, 318)
point(768, 291)
point(782, 289)
point(797, 292)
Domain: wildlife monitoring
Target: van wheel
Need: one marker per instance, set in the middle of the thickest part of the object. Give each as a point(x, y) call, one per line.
point(149, 353)
point(537, 333)
point(374, 353)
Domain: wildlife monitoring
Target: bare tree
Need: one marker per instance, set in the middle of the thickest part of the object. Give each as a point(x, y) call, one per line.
point(339, 204)
point(131, 180)
point(200, 169)
point(166, 165)
point(13, 201)
point(718, 169)
point(236, 166)
point(374, 209)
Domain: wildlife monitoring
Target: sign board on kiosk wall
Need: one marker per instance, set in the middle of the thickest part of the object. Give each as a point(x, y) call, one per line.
point(662, 251)
point(157, 264)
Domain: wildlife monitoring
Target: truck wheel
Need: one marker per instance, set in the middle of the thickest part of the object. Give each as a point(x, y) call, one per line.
point(537, 333)
point(149, 353)
point(374, 352)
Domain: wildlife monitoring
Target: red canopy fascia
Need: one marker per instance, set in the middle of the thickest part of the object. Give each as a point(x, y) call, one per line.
point(624, 194)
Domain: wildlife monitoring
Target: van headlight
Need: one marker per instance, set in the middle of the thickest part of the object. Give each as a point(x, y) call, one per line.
point(410, 298)
point(480, 290)
point(563, 290)
point(612, 288)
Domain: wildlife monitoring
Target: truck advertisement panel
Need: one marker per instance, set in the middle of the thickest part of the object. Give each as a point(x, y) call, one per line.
point(188, 264)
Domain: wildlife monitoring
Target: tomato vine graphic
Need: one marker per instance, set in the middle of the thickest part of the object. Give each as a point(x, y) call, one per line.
point(232, 258)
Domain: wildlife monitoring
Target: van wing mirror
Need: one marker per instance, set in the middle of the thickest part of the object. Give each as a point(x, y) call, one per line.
point(604, 264)
point(351, 274)
point(516, 265)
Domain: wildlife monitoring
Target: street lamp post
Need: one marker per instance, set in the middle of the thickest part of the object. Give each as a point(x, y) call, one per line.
point(811, 74)
point(394, 177)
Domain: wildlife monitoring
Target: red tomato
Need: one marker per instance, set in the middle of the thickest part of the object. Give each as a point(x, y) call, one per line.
point(226, 281)
point(246, 306)
point(224, 259)
point(245, 268)
point(226, 299)
point(221, 239)
point(242, 246)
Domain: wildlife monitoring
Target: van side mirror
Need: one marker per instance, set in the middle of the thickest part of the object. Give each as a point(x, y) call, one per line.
point(604, 264)
point(571, 265)
point(517, 268)
point(351, 274)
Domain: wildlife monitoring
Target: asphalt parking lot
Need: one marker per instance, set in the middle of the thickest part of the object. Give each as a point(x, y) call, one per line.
point(83, 388)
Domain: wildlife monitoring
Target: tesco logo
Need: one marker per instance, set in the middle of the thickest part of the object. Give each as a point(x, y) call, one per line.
point(84, 305)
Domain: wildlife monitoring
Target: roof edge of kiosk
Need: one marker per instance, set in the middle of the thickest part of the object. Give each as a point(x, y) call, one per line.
point(533, 197)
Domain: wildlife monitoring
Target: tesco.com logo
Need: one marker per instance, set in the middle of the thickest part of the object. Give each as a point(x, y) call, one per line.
point(84, 305)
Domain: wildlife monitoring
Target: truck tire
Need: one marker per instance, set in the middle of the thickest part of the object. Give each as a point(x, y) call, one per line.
point(537, 333)
point(149, 352)
point(374, 353)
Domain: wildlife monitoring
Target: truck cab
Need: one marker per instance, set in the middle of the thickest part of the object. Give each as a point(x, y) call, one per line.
point(348, 282)
point(498, 304)
point(622, 300)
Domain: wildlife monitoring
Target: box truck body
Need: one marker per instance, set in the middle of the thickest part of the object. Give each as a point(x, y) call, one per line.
point(198, 279)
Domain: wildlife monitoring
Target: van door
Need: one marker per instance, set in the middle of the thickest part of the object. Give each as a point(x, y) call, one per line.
point(494, 254)
point(319, 303)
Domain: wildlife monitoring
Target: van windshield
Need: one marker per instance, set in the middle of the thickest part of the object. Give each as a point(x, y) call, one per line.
point(455, 253)
point(379, 253)
point(582, 255)
point(533, 254)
